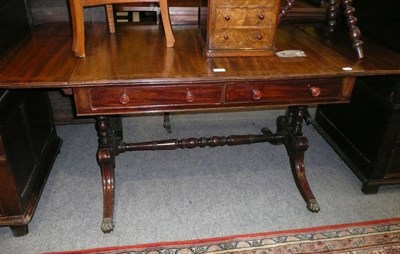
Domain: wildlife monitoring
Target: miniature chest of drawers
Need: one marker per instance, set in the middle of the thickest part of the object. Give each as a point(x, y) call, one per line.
point(238, 27)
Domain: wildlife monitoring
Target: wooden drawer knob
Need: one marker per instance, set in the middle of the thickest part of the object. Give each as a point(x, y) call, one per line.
point(259, 37)
point(227, 18)
point(256, 94)
point(315, 91)
point(226, 37)
point(189, 97)
point(124, 98)
point(261, 16)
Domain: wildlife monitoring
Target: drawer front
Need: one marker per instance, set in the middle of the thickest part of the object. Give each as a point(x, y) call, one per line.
point(243, 3)
point(243, 17)
point(242, 39)
point(154, 96)
point(285, 91)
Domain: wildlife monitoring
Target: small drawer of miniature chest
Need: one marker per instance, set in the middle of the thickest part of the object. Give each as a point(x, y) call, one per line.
point(238, 28)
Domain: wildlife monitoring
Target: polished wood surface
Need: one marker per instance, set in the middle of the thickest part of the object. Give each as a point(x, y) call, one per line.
point(46, 61)
point(78, 23)
point(185, 61)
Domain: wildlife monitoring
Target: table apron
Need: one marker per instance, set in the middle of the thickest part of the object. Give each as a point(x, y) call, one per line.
point(132, 98)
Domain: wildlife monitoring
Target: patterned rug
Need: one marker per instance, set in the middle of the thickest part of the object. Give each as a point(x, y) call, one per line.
point(378, 237)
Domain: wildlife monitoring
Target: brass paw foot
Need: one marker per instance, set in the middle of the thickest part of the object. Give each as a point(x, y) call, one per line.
point(107, 226)
point(313, 206)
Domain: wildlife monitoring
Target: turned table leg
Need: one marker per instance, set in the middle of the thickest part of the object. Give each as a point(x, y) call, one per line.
point(296, 144)
point(106, 159)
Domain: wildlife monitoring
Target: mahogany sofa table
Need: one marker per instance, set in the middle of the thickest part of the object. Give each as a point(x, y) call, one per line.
point(132, 72)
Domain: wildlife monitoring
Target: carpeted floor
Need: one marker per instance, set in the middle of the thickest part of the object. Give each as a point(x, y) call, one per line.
point(192, 194)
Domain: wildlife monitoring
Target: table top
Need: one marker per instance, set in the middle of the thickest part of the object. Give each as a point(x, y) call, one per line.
point(137, 54)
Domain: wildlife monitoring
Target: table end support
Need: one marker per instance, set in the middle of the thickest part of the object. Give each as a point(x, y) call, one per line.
point(106, 159)
point(296, 144)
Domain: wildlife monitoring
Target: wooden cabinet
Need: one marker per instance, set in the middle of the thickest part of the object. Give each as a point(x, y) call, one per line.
point(28, 146)
point(238, 27)
point(366, 132)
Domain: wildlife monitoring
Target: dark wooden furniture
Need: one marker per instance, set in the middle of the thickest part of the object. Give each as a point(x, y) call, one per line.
point(28, 146)
point(116, 79)
point(366, 132)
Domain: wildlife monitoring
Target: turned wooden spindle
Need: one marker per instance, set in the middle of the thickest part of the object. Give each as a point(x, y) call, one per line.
point(285, 8)
point(331, 15)
point(354, 31)
point(189, 143)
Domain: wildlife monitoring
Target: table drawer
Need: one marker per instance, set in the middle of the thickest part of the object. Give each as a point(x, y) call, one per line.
point(286, 91)
point(154, 96)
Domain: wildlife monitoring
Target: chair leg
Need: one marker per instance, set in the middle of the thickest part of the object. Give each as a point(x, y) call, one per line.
point(169, 36)
point(110, 18)
point(78, 28)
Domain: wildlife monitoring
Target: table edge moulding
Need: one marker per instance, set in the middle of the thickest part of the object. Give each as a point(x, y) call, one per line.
point(117, 79)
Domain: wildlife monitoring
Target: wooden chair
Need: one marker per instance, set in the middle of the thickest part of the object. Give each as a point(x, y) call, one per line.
point(78, 28)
